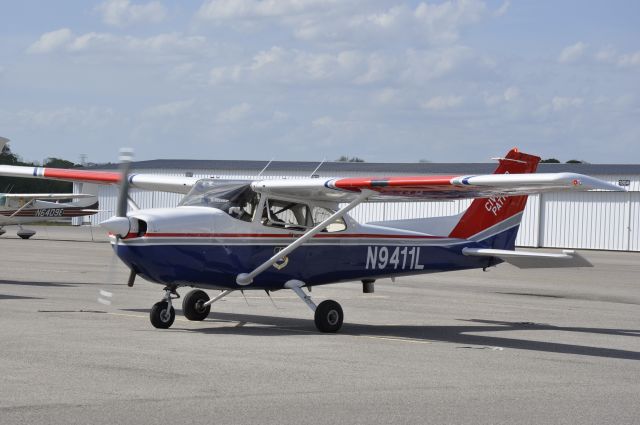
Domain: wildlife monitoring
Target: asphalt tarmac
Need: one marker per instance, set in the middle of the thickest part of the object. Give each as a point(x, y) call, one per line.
point(506, 346)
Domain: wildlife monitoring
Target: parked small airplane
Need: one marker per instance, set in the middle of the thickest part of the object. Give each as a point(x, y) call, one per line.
point(17, 209)
point(295, 233)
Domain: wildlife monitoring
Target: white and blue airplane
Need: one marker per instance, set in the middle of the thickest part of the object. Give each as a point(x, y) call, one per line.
point(296, 233)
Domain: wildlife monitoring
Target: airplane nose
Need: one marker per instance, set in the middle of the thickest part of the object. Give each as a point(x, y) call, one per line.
point(118, 226)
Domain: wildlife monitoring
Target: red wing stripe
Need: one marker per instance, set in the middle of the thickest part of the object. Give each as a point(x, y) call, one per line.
point(98, 176)
point(419, 182)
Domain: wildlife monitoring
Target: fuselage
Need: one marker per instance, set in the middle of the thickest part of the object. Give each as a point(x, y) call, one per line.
point(12, 211)
point(206, 247)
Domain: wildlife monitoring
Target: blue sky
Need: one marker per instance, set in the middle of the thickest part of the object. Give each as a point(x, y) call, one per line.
point(392, 81)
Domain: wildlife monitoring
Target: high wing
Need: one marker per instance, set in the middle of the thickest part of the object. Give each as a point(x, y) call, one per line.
point(46, 196)
point(162, 183)
point(347, 189)
point(431, 187)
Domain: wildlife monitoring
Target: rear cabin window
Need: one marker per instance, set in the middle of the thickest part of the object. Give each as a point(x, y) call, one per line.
point(297, 216)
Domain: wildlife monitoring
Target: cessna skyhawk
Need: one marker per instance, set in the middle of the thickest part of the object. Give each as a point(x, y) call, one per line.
point(17, 209)
point(296, 233)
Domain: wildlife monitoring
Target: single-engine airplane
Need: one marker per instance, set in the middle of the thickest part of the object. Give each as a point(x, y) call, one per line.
point(17, 209)
point(296, 233)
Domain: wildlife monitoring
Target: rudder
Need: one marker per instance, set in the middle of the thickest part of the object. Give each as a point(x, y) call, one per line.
point(486, 213)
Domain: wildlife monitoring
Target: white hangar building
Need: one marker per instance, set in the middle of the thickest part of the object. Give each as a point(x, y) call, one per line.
point(585, 220)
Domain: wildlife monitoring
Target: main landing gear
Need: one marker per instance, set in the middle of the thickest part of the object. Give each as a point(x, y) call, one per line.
point(196, 305)
point(328, 315)
point(25, 233)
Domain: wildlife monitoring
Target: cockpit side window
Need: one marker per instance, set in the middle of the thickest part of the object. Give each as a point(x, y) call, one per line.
point(235, 198)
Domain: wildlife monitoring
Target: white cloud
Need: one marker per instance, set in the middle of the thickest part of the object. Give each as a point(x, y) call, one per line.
point(426, 65)
point(121, 12)
point(234, 114)
point(443, 102)
point(559, 103)
point(509, 95)
point(609, 55)
point(572, 53)
point(606, 55)
point(630, 59)
point(325, 121)
point(293, 66)
point(502, 10)
point(288, 66)
point(93, 42)
point(51, 41)
point(386, 96)
point(244, 9)
point(443, 21)
point(167, 110)
point(67, 116)
point(349, 22)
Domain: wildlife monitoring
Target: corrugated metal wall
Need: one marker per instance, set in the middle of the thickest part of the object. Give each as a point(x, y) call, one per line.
point(586, 220)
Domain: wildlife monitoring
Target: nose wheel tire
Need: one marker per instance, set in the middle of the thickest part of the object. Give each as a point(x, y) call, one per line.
point(329, 316)
point(162, 315)
point(192, 305)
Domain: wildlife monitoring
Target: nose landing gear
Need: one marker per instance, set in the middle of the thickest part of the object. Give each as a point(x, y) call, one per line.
point(162, 313)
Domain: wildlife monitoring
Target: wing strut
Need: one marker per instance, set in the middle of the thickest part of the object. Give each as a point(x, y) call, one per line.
point(244, 279)
point(22, 207)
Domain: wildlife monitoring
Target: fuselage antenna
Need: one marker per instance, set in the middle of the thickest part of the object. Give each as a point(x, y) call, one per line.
point(318, 167)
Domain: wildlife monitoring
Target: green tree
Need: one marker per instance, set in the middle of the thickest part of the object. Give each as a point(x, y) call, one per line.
point(9, 158)
point(58, 163)
point(344, 158)
point(550, 161)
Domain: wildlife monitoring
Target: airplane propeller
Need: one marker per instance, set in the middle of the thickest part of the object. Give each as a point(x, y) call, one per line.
point(120, 225)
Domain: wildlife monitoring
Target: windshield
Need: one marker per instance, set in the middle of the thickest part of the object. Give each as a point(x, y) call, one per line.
point(236, 198)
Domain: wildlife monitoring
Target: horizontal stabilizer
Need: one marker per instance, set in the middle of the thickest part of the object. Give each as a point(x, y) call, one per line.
point(532, 260)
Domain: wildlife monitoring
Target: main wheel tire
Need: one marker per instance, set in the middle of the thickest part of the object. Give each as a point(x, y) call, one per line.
point(161, 315)
point(329, 316)
point(192, 305)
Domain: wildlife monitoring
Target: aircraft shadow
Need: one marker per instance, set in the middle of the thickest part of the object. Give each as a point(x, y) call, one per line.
point(23, 283)
point(17, 297)
point(463, 334)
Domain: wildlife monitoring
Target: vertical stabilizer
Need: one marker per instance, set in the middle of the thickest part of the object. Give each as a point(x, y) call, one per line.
point(497, 217)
